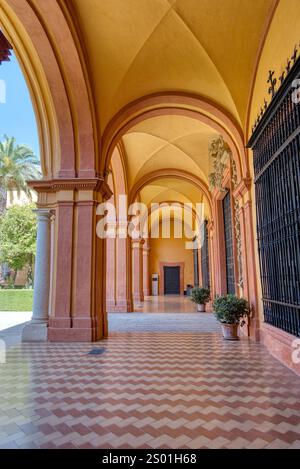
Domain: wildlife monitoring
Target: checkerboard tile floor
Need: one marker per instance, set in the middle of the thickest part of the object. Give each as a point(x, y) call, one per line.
point(148, 390)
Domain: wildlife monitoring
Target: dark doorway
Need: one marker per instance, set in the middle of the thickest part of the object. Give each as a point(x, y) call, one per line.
point(172, 280)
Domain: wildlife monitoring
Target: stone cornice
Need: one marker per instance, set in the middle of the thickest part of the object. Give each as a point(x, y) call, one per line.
point(72, 184)
point(242, 188)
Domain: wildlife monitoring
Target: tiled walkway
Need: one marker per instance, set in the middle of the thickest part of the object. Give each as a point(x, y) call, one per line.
point(161, 390)
point(163, 322)
point(167, 304)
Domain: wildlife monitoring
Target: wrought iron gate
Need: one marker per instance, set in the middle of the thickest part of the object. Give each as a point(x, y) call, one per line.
point(230, 277)
point(276, 148)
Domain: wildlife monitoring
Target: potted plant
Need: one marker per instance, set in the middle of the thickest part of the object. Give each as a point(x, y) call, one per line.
point(231, 312)
point(200, 296)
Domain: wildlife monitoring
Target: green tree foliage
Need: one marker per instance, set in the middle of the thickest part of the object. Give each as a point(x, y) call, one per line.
point(18, 227)
point(18, 164)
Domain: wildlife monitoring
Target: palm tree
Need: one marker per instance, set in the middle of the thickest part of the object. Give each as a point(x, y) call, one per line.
point(18, 164)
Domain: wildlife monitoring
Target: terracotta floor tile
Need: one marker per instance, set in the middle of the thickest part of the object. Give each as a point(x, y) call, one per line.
point(149, 390)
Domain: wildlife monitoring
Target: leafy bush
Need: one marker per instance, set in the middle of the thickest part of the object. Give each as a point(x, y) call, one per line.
point(200, 295)
point(229, 309)
point(18, 228)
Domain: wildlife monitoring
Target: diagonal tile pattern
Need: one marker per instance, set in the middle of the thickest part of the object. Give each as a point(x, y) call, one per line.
point(148, 390)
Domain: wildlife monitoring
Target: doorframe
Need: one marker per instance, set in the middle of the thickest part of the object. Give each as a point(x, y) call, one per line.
point(181, 266)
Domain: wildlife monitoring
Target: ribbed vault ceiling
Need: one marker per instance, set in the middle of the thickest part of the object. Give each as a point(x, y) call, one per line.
point(137, 47)
point(170, 141)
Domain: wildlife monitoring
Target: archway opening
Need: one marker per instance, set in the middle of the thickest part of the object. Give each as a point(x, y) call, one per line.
point(19, 161)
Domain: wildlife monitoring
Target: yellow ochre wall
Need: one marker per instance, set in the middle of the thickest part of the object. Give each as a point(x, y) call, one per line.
point(171, 250)
point(283, 35)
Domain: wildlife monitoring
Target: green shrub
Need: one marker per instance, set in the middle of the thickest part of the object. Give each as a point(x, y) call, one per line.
point(229, 309)
point(200, 295)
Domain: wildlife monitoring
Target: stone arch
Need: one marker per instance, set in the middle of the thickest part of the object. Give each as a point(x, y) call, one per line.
point(50, 57)
point(172, 173)
point(183, 104)
point(118, 291)
point(195, 216)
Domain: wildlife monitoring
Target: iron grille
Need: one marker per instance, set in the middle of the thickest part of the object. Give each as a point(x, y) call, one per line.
point(276, 149)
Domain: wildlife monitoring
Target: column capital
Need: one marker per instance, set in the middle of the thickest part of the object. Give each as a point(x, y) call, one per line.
point(44, 214)
point(138, 243)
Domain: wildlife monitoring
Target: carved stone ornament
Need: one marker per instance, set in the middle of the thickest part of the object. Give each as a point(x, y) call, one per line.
point(220, 154)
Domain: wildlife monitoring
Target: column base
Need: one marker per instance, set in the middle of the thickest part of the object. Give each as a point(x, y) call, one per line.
point(123, 306)
point(74, 334)
point(35, 332)
point(110, 306)
point(254, 329)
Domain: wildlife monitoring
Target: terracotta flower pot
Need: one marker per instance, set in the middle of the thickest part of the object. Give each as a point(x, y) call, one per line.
point(230, 331)
point(201, 308)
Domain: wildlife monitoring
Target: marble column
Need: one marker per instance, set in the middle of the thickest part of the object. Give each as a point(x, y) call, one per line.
point(137, 271)
point(37, 329)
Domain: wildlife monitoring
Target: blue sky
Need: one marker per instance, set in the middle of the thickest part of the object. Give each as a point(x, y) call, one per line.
point(17, 117)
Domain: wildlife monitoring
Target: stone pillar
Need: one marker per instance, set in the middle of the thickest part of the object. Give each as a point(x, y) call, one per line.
point(243, 194)
point(200, 266)
point(146, 273)
point(37, 329)
point(124, 302)
point(196, 265)
point(137, 271)
point(78, 312)
point(110, 274)
point(211, 259)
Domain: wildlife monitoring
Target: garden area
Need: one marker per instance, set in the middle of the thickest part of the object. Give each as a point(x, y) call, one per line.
point(18, 226)
point(16, 300)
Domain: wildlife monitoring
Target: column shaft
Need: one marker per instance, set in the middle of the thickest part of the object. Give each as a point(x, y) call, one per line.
point(137, 271)
point(37, 329)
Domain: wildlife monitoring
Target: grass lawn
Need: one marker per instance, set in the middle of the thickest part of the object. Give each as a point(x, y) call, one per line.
point(16, 300)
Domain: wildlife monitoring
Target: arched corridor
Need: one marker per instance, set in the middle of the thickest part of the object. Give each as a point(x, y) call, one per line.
point(170, 136)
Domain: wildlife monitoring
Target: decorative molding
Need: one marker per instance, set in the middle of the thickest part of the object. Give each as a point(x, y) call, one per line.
point(221, 155)
point(242, 188)
point(72, 184)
